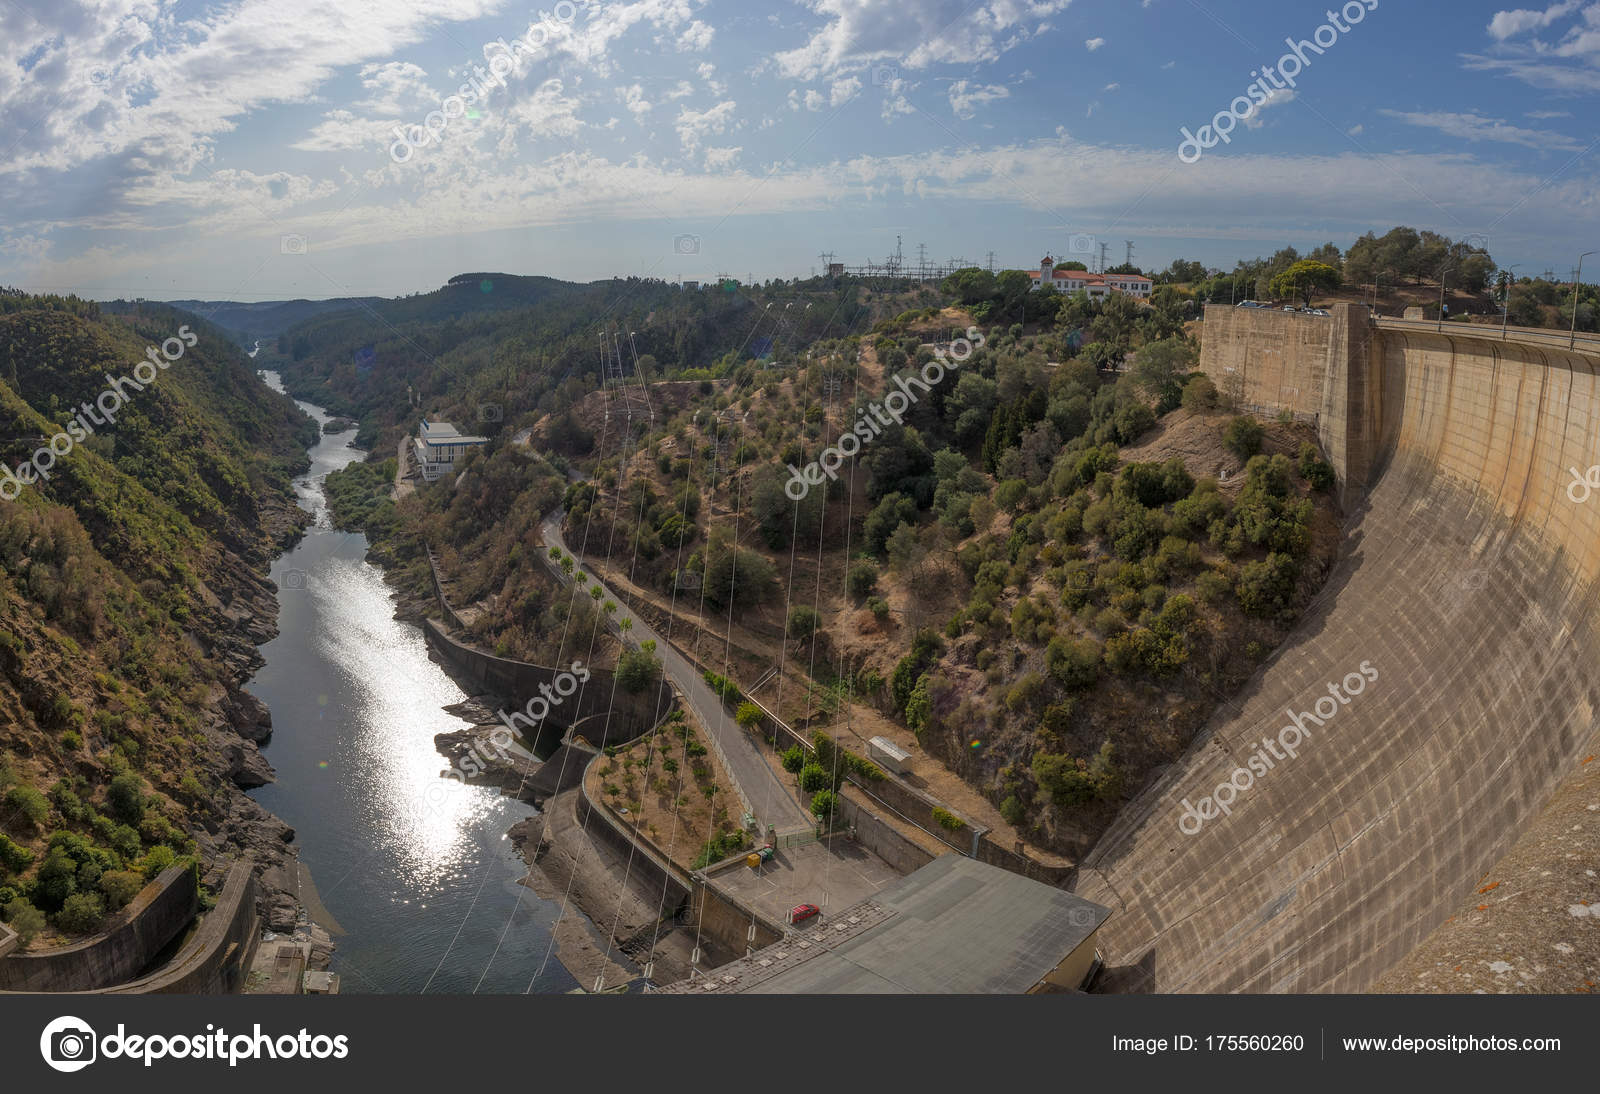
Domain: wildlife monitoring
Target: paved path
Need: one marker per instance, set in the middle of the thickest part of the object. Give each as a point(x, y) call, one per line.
point(770, 799)
point(1586, 343)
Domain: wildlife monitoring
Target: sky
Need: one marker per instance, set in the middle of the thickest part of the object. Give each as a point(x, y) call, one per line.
point(273, 149)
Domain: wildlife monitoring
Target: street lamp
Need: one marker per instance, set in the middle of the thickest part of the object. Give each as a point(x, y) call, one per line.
point(1505, 306)
point(1442, 273)
point(1576, 281)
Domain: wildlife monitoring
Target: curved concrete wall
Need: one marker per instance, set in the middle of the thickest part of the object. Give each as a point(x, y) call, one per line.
point(131, 940)
point(1468, 586)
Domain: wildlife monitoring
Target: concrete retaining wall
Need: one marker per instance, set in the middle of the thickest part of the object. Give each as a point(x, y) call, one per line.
point(1469, 585)
point(131, 940)
point(881, 838)
point(217, 958)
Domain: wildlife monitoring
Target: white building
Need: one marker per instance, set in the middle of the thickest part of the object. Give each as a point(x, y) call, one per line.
point(1098, 286)
point(440, 446)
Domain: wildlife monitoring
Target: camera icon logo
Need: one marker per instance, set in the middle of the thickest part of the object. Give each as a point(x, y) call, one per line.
point(884, 75)
point(294, 579)
point(68, 1044)
point(98, 75)
point(490, 412)
point(292, 244)
point(686, 245)
point(1080, 243)
point(688, 579)
point(1476, 243)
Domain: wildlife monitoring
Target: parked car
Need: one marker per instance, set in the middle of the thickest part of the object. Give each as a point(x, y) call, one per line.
point(1290, 307)
point(1317, 311)
point(802, 912)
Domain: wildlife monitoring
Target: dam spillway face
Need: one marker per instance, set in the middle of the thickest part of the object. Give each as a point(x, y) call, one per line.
point(1440, 688)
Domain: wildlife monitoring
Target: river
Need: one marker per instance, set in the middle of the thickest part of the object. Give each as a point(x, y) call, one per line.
point(416, 869)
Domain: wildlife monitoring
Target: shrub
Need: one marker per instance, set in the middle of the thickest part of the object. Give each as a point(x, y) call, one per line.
point(862, 579)
point(948, 820)
point(879, 607)
point(14, 857)
point(1242, 436)
point(794, 759)
point(823, 804)
point(56, 881)
point(748, 716)
point(81, 914)
point(813, 778)
point(120, 886)
point(1314, 469)
point(804, 621)
point(29, 804)
point(1267, 586)
point(23, 918)
point(156, 861)
point(125, 797)
point(1074, 663)
point(1012, 810)
point(1071, 782)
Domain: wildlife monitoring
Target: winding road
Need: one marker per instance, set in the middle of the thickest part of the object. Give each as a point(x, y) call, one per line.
point(768, 797)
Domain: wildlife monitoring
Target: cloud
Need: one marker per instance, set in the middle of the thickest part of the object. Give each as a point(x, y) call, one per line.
point(914, 33)
point(1476, 127)
point(694, 125)
point(340, 130)
point(1092, 44)
point(1279, 97)
point(1543, 115)
point(719, 159)
point(1355, 130)
point(1509, 24)
point(696, 38)
point(633, 98)
point(843, 91)
point(966, 97)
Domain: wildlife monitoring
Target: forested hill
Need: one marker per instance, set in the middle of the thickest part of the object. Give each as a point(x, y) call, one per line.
point(488, 350)
point(133, 592)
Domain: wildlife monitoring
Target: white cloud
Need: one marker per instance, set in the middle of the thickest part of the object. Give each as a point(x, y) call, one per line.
point(1509, 24)
point(814, 99)
point(1476, 127)
point(1092, 44)
point(1543, 115)
point(695, 125)
point(697, 37)
point(843, 91)
point(1113, 86)
point(966, 97)
point(914, 33)
point(720, 159)
point(633, 98)
point(341, 130)
point(708, 76)
point(1355, 130)
point(1279, 97)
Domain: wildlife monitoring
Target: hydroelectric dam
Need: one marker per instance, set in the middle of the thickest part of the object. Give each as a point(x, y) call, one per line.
point(1467, 585)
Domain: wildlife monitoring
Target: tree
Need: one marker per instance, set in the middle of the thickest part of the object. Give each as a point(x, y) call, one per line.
point(81, 914)
point(1303, 278)
point(823, 804)
point(1162, 367)
point(638, 669)
point(814, 778)
point(748, 716)
point(794, 759)
point(1242, 436)
point(861, 580)
point(23, 918)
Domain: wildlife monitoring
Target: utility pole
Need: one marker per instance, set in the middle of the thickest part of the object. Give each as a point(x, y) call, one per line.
point(1505, 304)
point(991, 262)
point(1128, 245)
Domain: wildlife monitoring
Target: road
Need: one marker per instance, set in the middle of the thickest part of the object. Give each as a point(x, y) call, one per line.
point(1587, 343)
point(770, 799)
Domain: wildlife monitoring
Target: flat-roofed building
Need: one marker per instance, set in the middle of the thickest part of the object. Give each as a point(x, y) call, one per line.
point(956, 926)
point(440, 446)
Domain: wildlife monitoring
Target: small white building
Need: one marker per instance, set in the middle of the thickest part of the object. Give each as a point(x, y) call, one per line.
point(1097, 286)
point(440, 446)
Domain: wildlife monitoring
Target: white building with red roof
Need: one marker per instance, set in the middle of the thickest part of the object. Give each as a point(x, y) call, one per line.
point(1098, 286)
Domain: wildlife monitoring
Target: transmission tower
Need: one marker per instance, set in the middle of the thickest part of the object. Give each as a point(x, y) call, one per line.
point(1128, 244)
point(991, 262)
point(1104, 247)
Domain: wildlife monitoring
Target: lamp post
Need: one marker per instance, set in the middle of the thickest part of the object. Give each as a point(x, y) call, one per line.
point(1576, 281)
point(1505, 306)
point(1442, 274)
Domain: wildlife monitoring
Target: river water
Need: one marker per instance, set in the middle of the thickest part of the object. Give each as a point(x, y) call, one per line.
point(416, 869)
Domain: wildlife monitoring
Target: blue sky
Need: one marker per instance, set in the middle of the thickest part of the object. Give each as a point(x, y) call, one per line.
point(168, 149)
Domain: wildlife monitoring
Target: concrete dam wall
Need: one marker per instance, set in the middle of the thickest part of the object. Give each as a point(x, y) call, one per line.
point(1457, 633)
